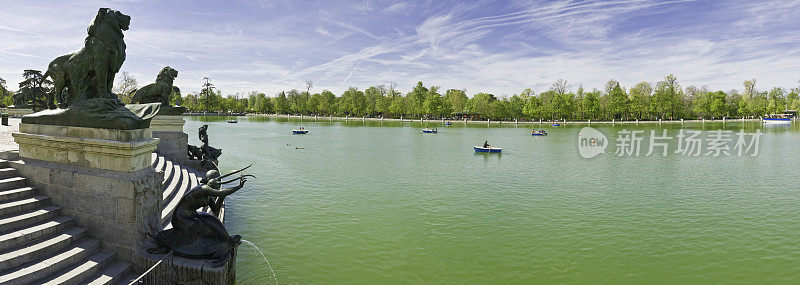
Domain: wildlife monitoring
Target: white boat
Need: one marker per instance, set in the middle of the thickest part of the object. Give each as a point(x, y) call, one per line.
point(777, 121)
point(489, 149)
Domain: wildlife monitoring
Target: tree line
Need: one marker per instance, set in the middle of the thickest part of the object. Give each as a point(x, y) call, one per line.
point(665, 100)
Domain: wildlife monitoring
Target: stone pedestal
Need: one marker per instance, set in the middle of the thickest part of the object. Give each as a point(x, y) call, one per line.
point(108, 149)
point(173, 141)
point(179, 270)
point(102, 177)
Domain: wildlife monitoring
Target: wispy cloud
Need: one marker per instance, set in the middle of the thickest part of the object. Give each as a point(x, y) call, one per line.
point(396, 8)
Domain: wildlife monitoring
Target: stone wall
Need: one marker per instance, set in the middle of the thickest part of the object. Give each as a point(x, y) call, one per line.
point(173, 145)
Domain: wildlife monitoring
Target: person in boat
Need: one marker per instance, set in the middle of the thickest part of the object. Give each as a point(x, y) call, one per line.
point(486, 144)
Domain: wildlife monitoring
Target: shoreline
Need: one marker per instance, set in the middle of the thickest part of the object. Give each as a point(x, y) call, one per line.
point(587, 122)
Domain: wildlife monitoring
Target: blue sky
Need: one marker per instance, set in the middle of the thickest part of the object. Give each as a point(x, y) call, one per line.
point(499, 47)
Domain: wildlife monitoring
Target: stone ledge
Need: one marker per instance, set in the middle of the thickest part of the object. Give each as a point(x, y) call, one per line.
point(97, 153)
point(86, 133)
point(167, 123)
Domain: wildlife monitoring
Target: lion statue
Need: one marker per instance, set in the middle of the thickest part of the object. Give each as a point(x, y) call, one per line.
point(89, 72)
point(158, 92)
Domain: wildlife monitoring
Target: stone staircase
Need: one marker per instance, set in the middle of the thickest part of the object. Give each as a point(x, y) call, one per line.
point(178, 179)
point(39, 245)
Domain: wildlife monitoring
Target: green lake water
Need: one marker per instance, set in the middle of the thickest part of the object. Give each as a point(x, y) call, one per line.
point(382, 203)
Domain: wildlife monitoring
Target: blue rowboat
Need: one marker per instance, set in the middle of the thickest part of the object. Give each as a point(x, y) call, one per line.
point(299, 132)
point(777, 121)
point(556, 124)
point(447, 124)
point(488, 149)
point(233, 122)
point(538, 133)
point(429, 131)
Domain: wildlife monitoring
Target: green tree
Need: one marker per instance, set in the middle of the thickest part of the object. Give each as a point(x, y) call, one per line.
point(33, 90)
point(281, 103)
point(667, 98)
point(532, 105)
point(434, 103)
point(591, 101)
point(515, 107)
point(640, 96)
point(481, 104)
point(458, 99)
point(207, 97)
point(397, 107)
point(125, 85)
point(417, 98)
point(777, 100)
point(618, 102)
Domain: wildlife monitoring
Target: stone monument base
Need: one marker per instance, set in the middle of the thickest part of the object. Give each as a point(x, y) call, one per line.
point(179, 270)
point(173, 141)
point(109, 149)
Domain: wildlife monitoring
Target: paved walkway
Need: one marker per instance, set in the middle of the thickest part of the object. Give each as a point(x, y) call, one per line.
point(6, 141)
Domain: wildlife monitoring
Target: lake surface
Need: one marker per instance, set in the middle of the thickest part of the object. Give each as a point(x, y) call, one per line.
point(382, 203)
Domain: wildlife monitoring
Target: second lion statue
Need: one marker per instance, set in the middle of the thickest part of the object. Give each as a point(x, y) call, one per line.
point(158, 92)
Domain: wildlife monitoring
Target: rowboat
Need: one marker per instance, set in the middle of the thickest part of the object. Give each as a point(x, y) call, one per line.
point(556, 124)
point(488, 149)
point(538, 133)
point(448, 123)
point(233, 122)
point(299, 132)
point(429, 131)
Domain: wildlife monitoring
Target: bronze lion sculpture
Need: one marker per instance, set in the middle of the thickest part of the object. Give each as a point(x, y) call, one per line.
point(158, 92)
point(89, 72)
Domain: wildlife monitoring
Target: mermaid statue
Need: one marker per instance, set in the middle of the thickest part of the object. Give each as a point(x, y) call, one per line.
point(201, 235)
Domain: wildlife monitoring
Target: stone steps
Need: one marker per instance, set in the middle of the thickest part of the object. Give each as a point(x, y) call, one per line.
point(11, 183)
point(39, 248)
point(16, 193)
point(182, 188)
point(113, 273)
point(28, 234)
point(25, 204)
point(178, 179)
point(44, 267)
point(80, 271)
point(170, 189)
point(39, 245)
point(24, 219)
point(7, 172)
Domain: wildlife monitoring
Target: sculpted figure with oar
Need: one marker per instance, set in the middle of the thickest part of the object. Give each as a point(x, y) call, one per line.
point(202, 235)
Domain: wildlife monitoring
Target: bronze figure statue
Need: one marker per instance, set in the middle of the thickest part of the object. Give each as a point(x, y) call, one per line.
point(207, 154)
point(201, 235)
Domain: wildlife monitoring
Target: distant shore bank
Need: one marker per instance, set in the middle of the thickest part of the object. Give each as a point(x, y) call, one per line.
point(587, 122)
